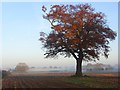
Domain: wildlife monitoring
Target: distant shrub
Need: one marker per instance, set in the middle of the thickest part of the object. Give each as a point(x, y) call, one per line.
point(21, 67)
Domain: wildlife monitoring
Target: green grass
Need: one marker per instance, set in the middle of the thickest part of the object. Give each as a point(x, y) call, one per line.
point(93, 82)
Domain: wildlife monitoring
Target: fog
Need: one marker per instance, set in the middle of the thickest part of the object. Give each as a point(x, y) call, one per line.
point(58, 69)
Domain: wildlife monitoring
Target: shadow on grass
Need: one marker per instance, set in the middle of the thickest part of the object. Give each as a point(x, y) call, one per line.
point(80, 76)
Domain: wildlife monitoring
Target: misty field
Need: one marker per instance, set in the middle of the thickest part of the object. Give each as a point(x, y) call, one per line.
point(60, 80)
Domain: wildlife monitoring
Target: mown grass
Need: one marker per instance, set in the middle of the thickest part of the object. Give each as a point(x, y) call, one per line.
point(93, 82)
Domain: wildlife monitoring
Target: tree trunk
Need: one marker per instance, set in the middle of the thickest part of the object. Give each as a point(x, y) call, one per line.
point(79, 67)
point(78, 62)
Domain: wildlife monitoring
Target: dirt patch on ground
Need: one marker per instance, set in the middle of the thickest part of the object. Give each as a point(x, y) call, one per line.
point(43, 74)
point(115, 74)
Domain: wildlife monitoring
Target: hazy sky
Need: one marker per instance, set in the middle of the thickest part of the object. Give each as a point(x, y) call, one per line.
point(21, 24)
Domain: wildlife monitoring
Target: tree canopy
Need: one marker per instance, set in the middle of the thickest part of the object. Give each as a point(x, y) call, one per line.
point(76, 29)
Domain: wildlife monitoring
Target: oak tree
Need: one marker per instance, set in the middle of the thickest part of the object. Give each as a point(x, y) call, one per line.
point(78, 31)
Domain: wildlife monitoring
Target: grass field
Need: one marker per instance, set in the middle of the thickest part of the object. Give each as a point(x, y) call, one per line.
point(93, 82)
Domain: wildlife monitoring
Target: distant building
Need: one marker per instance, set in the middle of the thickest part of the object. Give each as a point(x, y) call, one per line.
point(21, 67)
point(97, 67)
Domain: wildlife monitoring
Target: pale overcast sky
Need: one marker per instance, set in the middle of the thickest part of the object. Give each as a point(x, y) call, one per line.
point(22, 22)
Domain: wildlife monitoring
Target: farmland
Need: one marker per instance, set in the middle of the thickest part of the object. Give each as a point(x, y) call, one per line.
point(60, 80)
point(35, 82)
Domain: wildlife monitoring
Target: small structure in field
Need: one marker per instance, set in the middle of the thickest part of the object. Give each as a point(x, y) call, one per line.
point(21, 67)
